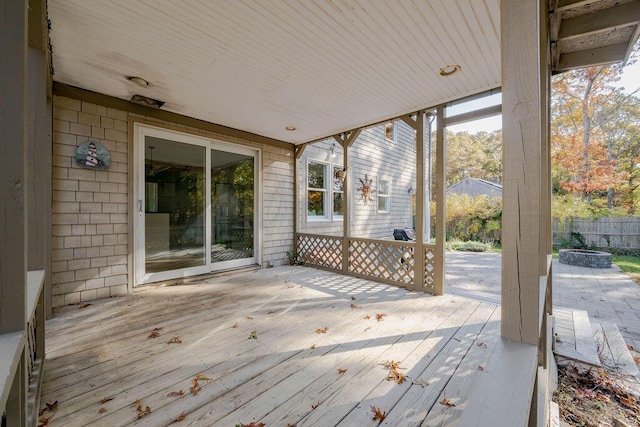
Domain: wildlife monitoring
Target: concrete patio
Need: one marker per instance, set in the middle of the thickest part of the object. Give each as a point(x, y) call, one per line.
point(606, 294)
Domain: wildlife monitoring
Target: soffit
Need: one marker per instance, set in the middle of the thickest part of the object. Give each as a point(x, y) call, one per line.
point(322, 66)
point(592, 32)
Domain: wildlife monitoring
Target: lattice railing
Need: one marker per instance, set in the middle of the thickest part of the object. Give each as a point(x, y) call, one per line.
point(382, 259)
point(321, 251)
point(429, 269)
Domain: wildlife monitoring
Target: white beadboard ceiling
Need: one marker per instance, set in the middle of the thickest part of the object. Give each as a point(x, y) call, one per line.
point(262, 65)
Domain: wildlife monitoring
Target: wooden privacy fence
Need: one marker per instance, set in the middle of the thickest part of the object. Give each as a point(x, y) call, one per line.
point(608, 232)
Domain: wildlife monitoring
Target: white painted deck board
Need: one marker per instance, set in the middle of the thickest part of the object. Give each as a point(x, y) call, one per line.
point(277, 377)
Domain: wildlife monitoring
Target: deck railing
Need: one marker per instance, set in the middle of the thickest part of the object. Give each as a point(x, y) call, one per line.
point(388, 261)
point(22, 360)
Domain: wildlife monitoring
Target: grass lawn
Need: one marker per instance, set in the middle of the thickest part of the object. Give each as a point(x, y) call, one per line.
point(629, 264)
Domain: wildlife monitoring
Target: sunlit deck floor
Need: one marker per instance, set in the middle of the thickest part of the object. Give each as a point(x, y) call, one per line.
point(253, 341)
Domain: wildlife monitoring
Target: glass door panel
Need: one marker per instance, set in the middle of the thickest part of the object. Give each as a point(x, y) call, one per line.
point(174, 205)
point(232, 208)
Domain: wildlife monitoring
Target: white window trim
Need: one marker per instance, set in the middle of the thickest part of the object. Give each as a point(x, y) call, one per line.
point(327, 191)
point(385, 196)
point(334, 216)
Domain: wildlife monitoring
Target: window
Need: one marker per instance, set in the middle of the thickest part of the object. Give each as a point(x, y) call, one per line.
point(338, 192)
point(390, 131)
point(317, 183)
point(383, 196)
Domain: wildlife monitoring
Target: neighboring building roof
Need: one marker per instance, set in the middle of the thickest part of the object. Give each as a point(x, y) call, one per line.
point(476, 187)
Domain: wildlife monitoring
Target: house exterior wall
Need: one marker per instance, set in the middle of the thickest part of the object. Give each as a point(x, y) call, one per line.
point(377, 158)
point(90, 209)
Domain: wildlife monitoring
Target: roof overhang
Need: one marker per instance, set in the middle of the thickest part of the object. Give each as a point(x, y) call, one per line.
point(299, 71)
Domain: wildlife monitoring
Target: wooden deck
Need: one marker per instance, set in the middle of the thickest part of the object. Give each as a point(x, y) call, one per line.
point(253, 341)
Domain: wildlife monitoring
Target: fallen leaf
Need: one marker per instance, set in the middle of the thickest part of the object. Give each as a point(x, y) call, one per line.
point(446, 402)
point(248, 317)
point(315, 406)
point(142, 411)
point(354, 306)
point(483, 345)
point(181, 417)
point(367, 317)
point(102, 410)
point(203, 377)
point(630, 347)
point(175, 393)
point(480, 368)
point(291, 425)
point(636, 359)
point(313, 346)
point(353, 298)
point(235, 325)
point(253, 335)
point(107, 399)
point(175, 340)
point(380, 316)
point(196, 387)
point(157, 329)
point(52, 406)
point(322, 331)
point(342, 371)
point(253, 424)
point(378, 415)
point(629, 401)
point(84, 306)
point(44, 421)
point(154, 334)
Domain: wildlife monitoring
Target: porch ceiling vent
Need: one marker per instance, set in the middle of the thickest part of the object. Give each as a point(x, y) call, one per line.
point(146, 101)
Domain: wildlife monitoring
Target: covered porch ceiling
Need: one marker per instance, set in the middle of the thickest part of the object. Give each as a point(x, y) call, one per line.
point(322, 67)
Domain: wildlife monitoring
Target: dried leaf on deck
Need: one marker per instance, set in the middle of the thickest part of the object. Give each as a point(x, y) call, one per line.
point(44, 421)
point(142, 411)
point(380, 316)
point(378, 415)
point(342, 371)
point(313, 346)
point(107, 399)
point(636, 359)
point(446, 402)
point(253, 335)
point(248, 317)
point(175, 393)
point(367, 317)
point(203, 377)
point(252, 424)
point(322, 330)
point(353, 298)
point(102, 410)
point(154, 334)
point(84, 306)
point(482, 345)
point(52, 406)
point(175, 340)
point(181, 417)
point(235, 325)
point(354, 306)
point(480, 368)
point(315, 406)
point(196, 387)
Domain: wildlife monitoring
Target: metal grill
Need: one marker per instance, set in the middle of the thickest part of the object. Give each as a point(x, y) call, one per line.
point(382, 259)
point(321, 251)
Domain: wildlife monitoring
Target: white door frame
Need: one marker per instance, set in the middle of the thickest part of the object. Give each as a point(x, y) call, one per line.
point(140, 132)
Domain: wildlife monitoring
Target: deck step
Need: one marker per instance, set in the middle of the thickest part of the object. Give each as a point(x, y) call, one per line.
point(574, 336)
point(612, 348)
point(554, 415)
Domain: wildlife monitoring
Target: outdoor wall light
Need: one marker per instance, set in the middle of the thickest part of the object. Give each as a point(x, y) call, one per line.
point(290, 128)
point(449, 70)
point(138, 80)
point(332, 151)
point(146, 101)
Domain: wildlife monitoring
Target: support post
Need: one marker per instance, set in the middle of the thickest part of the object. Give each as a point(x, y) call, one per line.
point(522, 130)
point(418, 256)
point(441, 205)
point(346, 140)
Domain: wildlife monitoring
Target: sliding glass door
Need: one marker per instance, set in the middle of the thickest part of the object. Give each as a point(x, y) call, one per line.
point(196, 205)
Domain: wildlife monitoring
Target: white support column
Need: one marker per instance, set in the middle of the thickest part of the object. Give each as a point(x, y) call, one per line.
point(522, 132)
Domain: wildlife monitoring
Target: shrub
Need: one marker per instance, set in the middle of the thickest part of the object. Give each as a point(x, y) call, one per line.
point(474, 218)
point(470, 246)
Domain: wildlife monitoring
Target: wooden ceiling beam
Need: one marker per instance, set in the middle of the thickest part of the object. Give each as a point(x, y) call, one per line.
point(602, 20)
point(591, 57)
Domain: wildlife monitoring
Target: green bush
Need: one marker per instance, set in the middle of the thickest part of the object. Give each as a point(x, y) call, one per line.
point(470, 246)
point(474, 218)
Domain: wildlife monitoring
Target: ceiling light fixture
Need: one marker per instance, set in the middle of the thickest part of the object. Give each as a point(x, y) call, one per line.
point(146, 101)
point(138, 80)
point(290, 128)
point(449, 70)
point(332, 151)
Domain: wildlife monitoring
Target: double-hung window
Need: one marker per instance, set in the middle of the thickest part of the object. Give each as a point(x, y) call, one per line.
point(383, 196)
point(338, 192)
point(317, 190)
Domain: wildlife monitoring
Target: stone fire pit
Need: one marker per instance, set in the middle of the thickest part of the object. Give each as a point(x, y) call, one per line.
point(585, 258)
